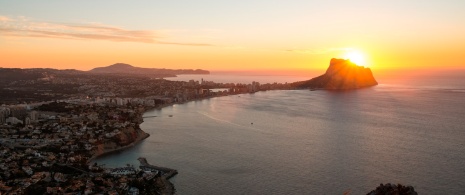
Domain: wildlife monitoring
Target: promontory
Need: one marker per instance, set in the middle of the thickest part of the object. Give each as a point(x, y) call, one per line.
point(340, 75)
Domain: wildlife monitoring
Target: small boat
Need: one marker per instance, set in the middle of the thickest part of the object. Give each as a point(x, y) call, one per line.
point(170, 115)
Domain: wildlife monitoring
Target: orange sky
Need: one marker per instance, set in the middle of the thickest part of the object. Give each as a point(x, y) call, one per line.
point(295, 36)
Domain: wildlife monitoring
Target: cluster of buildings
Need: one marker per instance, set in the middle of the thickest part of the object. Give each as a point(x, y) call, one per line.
point(159, 92)
point(47, 85)
point(47, 144)
point(18, 114)
point(52, 153)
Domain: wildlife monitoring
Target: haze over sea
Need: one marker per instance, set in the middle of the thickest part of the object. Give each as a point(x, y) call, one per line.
point(409, 131)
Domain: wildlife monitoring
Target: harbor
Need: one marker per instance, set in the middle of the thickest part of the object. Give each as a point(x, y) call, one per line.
point(165, 173)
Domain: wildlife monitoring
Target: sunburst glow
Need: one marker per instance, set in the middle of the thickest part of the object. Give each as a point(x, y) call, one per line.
point(356, 57)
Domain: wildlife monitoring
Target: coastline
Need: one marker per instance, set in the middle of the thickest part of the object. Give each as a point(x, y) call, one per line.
point(139, 139)
point(144, 134)
point(161, 106)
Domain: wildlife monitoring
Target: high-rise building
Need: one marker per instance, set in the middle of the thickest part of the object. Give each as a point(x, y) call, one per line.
point(27, 121)
point(119, 101)
point(7, 111)
point(18, 112)
point(34, 116)
point(2, 116)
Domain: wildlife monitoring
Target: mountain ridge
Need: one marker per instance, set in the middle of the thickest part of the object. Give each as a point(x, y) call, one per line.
point(130, 69)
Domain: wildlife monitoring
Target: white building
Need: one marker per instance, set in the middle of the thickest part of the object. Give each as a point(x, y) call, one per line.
point(119, 101)
point(13, 120)
point(27, 121)
point(123, 171)
point(34, 116)
point(150, 102)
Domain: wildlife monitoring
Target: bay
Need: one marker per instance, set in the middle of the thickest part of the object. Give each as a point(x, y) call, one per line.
point(311, 142)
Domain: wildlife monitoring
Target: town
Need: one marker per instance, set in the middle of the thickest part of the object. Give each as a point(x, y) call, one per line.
point(47, 144)
point(20, 86)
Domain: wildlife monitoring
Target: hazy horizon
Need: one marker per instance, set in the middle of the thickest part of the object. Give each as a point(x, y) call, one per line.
point(218, 36)
point(380, 74)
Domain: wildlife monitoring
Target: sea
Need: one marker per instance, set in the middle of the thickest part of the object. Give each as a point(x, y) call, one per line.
point(409, 131)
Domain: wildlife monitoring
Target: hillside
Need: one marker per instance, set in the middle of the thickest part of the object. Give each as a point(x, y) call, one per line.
point(340, 75)
point(120, 68)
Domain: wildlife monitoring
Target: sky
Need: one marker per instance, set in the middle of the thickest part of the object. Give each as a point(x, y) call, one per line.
point(255, 35)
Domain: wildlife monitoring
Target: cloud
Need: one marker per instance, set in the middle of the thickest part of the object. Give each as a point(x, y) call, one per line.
point(26, 28)
point(318, 51)
point(109, 36)
point(4, 19)
point(186, 44)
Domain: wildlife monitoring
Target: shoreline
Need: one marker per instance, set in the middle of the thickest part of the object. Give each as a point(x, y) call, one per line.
point(116, 150)
point(145, 135)
point(150, 108)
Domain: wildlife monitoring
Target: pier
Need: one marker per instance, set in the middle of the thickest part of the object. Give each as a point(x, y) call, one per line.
point(166, 173)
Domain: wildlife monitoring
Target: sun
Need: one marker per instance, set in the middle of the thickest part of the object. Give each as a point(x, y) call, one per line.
point(356, 57)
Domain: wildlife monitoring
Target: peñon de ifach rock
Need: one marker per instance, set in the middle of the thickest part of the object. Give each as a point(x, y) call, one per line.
point(341, 75)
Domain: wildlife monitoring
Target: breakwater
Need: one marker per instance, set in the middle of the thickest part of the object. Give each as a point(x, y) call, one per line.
point(166, 173)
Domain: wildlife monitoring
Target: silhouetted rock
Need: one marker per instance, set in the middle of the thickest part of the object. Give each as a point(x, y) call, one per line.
point(121, 68)
point(115, 68)
point(392, 189)
point(341, 74)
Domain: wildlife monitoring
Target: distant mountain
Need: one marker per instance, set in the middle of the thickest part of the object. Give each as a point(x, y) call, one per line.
point(120, 68)
point(115, 68)
point(341, 74)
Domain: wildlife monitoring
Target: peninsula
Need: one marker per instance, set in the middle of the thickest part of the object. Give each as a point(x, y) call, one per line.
point(340, 75)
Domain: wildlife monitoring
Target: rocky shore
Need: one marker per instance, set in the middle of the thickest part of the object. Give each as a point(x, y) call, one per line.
point(143, 135)
point(165, 175)
point(393, 189)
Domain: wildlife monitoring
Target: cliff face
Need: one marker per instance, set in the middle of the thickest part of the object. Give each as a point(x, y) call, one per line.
point(341, 74)
point(129, 135)
point(127, 138)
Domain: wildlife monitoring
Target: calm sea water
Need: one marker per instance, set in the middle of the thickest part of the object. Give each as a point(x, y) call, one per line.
point(312, 142)
point(245, 79)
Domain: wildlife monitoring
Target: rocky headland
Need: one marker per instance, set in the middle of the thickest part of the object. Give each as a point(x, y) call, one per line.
point(393, 189)
point(340, 75)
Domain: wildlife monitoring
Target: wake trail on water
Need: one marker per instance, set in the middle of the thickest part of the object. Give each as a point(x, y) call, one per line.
point(229, 122)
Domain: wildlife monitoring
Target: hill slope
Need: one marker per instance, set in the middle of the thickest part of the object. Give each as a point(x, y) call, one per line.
point(119, 68)
point(341, 74)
